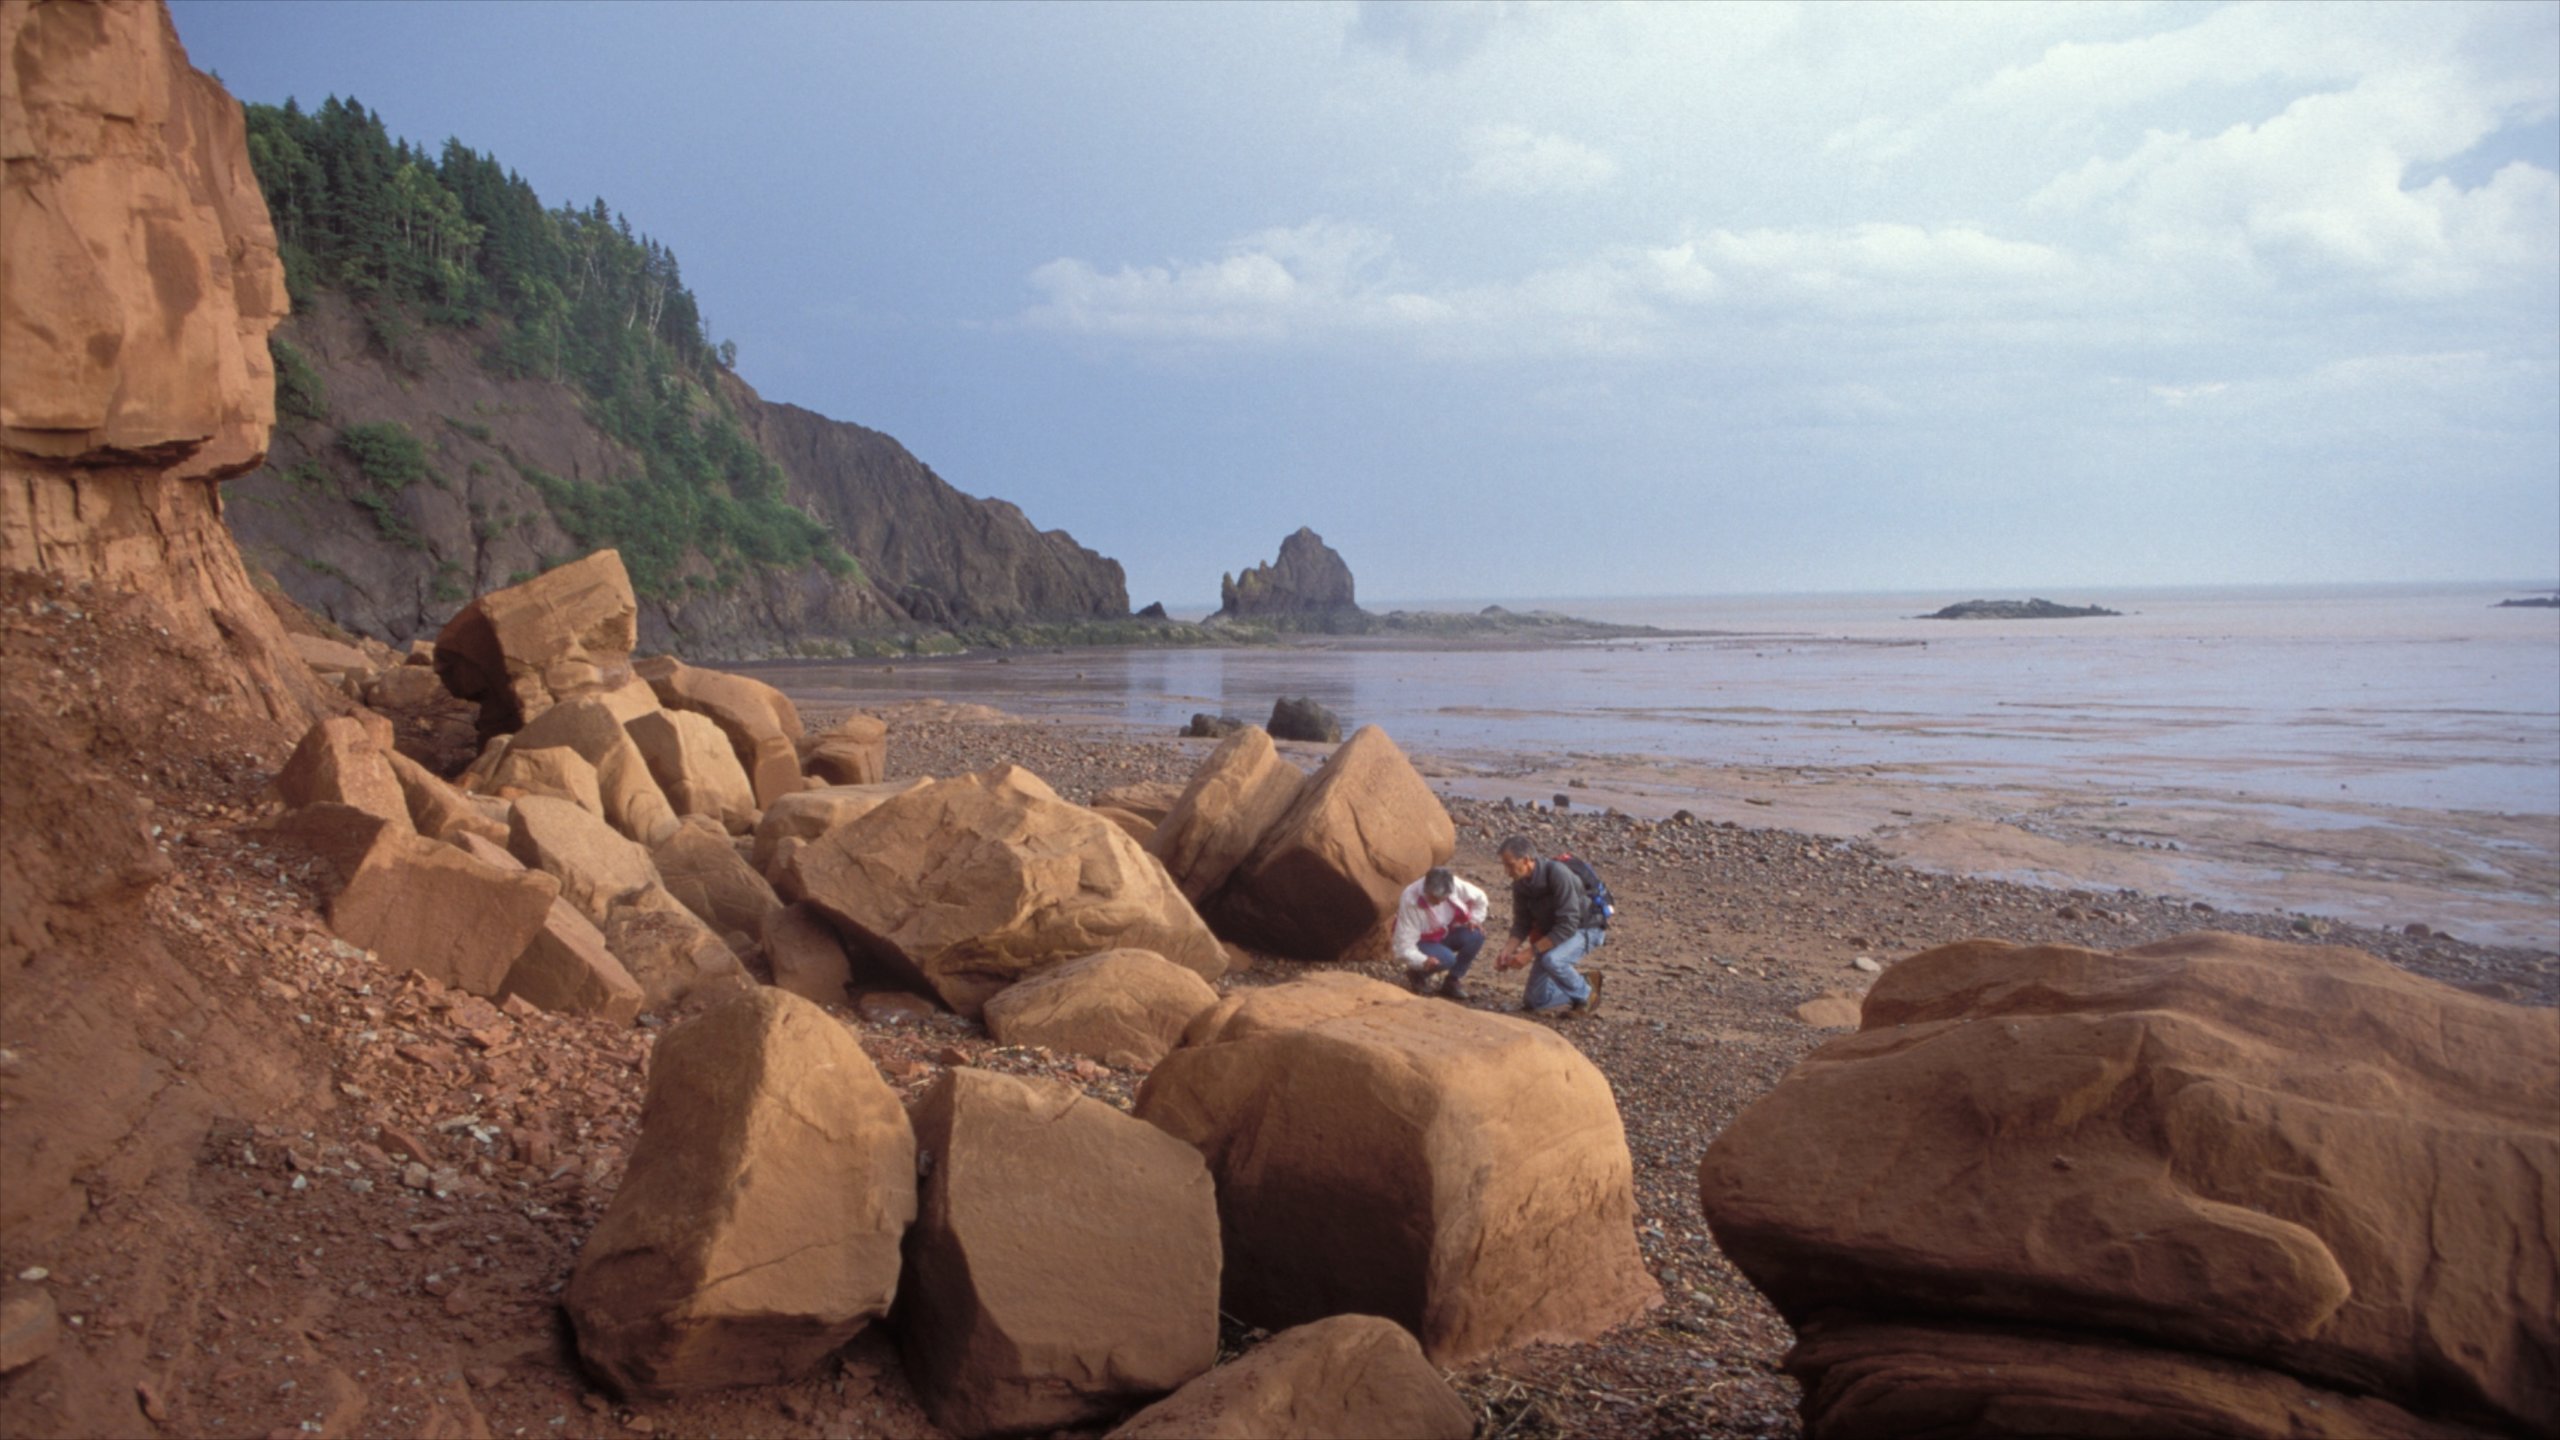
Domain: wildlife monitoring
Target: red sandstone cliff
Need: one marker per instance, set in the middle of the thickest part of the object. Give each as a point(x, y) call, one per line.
point(138, 281)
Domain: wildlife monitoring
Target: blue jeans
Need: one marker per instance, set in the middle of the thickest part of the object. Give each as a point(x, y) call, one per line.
point(1459, 951)
point(1553, 978)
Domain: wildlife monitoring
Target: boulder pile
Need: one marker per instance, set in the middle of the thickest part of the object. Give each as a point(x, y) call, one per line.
point(2209, 1186)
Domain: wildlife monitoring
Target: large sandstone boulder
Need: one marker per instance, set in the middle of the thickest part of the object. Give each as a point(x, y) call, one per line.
point(706, 873)
point(2172, 1186)
point(421, 904)
point(761, 724)
point(854, 752)
point(807, 958)
point(1462, 1173)
point(441, 812)
point(1347, 1375)
point(337, 763)
point(567, 967)
point(1330, 869)
point(804, 815)
point(694, 764)
point(670, 952)
point(970, 884)
point(1064, 1260)
point(595, 864)
point(1127, 1007)
point(554, 772)
point(519, 650)
point(1239, 792)
point(758, 1227)
point(633, 803)
point(1149, 800)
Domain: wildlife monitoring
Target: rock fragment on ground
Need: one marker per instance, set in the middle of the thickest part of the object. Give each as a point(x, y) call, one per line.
point(1124, 1007)
point(1347, 1375)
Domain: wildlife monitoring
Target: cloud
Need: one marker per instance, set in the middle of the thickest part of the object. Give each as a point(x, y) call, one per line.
point(1515, 160)
point(1440, 35)
point(1331, 281)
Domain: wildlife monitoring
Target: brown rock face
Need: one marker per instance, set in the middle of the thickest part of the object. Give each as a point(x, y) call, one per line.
point(594, 865)
point(518, 650)
point(1128, 1007)
point(975, 882)
point(668, 949)
point(1331, 868)
point(1348, 1375)
point(758, 1227)
point(1236, 795)
point(2207, 1157)
point(1308, 578)
point(632, 801)
point(427, 906)
point(1461, 1173)
point(807, 958)
point(138, 281)
point(1064, 1260)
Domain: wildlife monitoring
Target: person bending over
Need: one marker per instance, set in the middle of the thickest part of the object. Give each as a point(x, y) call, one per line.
point(1439, 929)
point(1553, 926)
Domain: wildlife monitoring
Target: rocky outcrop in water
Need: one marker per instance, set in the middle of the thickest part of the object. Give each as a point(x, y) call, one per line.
point(1307, 580)
point(2017, 610)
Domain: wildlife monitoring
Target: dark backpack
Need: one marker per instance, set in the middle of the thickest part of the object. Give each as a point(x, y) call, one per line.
point(1592, 885)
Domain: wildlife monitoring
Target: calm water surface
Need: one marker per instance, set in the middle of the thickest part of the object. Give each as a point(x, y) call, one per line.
point(2427, 697)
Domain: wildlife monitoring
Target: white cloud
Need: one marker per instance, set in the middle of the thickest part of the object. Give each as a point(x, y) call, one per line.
point(1515, 160)
point(1320, 278)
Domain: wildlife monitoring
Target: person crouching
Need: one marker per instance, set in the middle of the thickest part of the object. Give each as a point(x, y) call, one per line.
point(1439, 929)
point(1553, 926)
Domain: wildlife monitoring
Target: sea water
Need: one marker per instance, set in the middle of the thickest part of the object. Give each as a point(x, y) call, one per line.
point(2428, 697)
point(2397, 745)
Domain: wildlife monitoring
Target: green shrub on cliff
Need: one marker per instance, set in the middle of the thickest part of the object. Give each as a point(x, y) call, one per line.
point(386, 452)
point(570, 295)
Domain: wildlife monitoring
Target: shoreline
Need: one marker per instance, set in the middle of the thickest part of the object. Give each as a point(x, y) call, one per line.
point(2485, 878)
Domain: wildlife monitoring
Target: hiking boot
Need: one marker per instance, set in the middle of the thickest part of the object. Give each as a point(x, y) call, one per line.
point(1590, 1004)
point(1419, 981)
point(1452, 990)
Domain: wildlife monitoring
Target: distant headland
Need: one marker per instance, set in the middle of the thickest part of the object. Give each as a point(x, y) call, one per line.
point(2532, 602)
point(2016, 610)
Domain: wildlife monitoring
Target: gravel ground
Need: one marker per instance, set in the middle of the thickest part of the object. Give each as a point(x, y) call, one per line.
point(379, 1248)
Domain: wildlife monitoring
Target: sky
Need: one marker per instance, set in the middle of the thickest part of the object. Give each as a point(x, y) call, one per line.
point(1553, 300)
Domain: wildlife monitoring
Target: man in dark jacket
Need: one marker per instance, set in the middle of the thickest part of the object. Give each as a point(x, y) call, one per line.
point(1554, 922)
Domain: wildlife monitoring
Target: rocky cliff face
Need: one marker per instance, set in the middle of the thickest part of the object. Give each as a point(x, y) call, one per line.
point(944, 558)
point(395, 563)
point(1308, 579)
point(138, 281)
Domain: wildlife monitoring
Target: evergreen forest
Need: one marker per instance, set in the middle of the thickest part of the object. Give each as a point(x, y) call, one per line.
point(571, 295)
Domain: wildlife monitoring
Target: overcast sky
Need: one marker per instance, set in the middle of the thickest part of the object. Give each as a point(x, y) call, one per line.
point(1568, 300)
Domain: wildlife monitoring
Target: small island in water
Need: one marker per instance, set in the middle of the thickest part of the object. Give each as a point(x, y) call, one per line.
point(2532, 602)
point(2016, 610)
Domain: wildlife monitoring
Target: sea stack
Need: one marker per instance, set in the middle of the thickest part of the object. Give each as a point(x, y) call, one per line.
point(1307, 581)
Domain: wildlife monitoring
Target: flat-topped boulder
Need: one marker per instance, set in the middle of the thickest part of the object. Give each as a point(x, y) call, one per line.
point(1331, 868)
point(519, 650)
point(422, 904)
point(970, 884)
point(2208, 1157)
point(1347, 1375)
point(1126, 1007)
point(1064, 1262)
point(758, 1227)
point(1461, 1173)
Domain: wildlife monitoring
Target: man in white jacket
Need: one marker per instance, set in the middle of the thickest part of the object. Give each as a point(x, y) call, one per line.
point(1439, 929)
